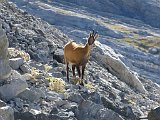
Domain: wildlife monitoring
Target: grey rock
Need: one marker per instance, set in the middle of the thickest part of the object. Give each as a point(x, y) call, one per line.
point(16, 75)
point(88, 110)
point(109, 59)
point(7, 113)
point(1, 118)
point(109, 115)
point(153, 50)
point(53, 96)
point(24, 116)
point(42, 51)
point(75, 97)
point(42, 56)
point(33, 55)
point(33, 94)
point(11, 90)
point(34, 111)
point(42, 116)
point(57, 74)
point(6, 26)
point(154, 114)
point(25, 68)
point(54, 117)
point(37, 65)
point(43, 46)
point(5, 69)
point(54, 110)
point(59, 55)
point(18, 103)
point(2, 103)
point(61, 103)
point(52, 47)
point(65, 115)
point(109, 104)
point(128, 113)
point(15, 63)
point(95, 97)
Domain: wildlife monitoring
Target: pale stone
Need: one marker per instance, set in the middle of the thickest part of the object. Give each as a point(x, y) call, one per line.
point(5, 69)
point(6, 113)
point(109, 59)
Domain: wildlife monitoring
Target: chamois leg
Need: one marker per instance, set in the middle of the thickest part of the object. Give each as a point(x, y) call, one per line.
point(67, 69)
point(73, 71)
point(83, 69)
point(79, 73)
point(78, 70)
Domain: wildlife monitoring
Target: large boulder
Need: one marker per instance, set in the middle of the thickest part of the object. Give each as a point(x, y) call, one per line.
point(88, 110)
point(15, 63)
point(43, 51)
point(15, 86)
point(5, 69)
point(33, 94)
point(6, 113)
point(154, 114)
point(59, 55)
point(109, 59)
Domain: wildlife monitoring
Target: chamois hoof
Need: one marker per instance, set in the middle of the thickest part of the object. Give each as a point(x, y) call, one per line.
point(81, 83)
point(85, 81)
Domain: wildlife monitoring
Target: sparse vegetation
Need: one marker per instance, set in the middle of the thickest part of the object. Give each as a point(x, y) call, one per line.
point(47, 67)
point(18, 53)
point(90, 87)
point(34, 73)
point(142, 43)
point(56, 84)
point(119, 27)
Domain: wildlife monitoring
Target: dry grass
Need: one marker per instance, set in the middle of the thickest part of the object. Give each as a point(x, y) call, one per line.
point(34, 73)
point(90, 86)
point(13, 53)
point(56, 84)
point(142, 43)
point(47, 67)
point(119, 28)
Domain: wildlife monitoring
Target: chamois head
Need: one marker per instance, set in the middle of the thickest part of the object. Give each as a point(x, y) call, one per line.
point(92, 37)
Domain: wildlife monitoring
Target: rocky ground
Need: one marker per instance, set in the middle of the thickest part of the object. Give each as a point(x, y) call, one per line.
point(36, 86)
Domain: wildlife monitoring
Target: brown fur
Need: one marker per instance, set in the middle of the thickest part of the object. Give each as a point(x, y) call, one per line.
point(78, 55)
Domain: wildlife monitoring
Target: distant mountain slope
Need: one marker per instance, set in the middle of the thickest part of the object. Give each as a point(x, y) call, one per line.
point(145, 10)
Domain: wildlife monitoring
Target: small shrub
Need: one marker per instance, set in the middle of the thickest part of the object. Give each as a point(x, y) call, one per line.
point(56, 84)
point(34, 73)
point(47, 67)
point(18, 53)
point(90, 87)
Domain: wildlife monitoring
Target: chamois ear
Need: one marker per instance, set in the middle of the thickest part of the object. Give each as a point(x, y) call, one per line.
point(90, 35)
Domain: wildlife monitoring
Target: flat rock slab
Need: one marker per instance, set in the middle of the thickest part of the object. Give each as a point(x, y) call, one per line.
point(15, 63)
point(15, 87)
point(6, 113)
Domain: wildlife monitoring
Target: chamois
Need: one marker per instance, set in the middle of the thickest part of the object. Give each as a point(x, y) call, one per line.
point(78, 55)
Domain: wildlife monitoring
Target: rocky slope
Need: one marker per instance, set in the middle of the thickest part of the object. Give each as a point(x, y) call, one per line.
point(76, 21)
point(35, 90)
